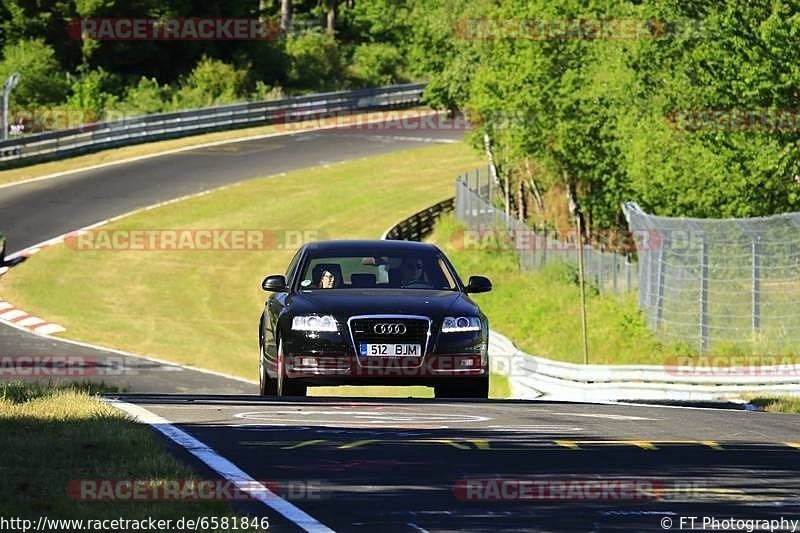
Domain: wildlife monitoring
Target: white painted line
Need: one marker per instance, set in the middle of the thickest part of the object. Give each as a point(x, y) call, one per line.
point(3, 270)
point(146, 358)
point(49, 329)
point(30, 321)
point(223, 467)
point(11, 315)
point(5, 305)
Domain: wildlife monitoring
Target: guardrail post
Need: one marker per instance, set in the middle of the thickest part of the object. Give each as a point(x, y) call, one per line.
point(703, 296)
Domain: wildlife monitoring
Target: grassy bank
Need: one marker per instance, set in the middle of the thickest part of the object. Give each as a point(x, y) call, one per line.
point(540, 310)
point(51, 436)
point(201, 308)
point(777, 404)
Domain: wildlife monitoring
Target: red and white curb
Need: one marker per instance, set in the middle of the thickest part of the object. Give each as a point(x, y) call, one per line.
point(14, 316)
point(17, 317)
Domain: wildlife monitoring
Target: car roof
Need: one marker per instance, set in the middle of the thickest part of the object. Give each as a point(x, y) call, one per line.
point(370, 246)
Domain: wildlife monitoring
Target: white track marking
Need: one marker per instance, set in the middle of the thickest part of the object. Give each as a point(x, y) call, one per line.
point(48, 329)
point(30, 321)
point(223, 467)
point(11, 315)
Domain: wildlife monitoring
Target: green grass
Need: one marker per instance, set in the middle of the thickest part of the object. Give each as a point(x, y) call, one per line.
point(201, 308)
point(540, 311)
point(51, 435)
point(777, 404)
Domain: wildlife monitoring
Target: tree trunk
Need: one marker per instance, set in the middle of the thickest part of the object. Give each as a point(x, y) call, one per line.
point(534, 188)
point(521, 201)
point(494, 174)
point(286, 17)
point(331, 16)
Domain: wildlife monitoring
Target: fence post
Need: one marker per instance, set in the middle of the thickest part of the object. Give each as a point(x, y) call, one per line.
point(660, 294)
point(479, 199)
point(755, 282)
point(703, 297)
point(489, 194)
point(600, 280)
point(545, 244)
point(628, 271)
point(614, 269)
point(756, 285)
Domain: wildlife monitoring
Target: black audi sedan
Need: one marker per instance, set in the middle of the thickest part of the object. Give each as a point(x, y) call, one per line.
point(378, 312)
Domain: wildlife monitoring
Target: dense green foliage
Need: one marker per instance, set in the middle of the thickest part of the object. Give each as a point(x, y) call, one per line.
point(604, 118)
point(361, 48)
point(600, 114)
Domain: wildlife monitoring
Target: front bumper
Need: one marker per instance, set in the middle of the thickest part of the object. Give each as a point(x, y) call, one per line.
point(331, 359)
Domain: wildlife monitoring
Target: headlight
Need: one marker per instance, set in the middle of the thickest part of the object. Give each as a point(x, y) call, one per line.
point(314, 323)
point(461, 323)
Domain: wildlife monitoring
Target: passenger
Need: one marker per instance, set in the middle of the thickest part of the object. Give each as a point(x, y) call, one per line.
point(327, 281)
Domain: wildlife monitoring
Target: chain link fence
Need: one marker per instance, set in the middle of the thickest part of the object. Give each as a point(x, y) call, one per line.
point(722, 282)
point(489, 228)
point(727, 285)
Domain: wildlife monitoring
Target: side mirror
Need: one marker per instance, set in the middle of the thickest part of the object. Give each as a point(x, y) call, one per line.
point(276, 283)
point(478, 284)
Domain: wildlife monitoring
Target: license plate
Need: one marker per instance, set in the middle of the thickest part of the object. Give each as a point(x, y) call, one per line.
point(391, 350)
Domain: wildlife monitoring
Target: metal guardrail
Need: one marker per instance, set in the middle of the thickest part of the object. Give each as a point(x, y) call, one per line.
point(419, 225)
point(146, 128)
point(532, 377)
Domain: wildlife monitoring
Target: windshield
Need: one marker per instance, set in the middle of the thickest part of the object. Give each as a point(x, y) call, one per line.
point(396, 271)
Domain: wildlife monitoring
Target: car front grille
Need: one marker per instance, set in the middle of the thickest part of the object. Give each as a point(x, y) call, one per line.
point(417, 330)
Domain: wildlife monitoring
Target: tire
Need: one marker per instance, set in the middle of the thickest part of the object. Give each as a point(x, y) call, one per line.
point(477, 388)
point(267, 386)
point(286, 386)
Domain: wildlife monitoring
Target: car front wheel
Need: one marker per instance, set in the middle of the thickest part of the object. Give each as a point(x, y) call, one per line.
point(287, 386)
point(267, 386)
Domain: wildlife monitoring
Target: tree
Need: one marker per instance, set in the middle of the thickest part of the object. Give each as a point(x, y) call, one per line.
point(41, 80)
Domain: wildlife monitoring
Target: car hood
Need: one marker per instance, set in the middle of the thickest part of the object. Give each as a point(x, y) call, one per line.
point(351, 302)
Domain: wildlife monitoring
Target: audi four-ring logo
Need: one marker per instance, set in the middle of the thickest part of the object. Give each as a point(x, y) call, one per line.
point(389, 329)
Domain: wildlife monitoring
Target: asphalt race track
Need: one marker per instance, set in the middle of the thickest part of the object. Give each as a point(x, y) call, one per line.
point(416, 465)
point(397, 465)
